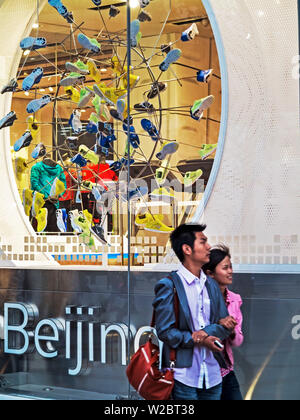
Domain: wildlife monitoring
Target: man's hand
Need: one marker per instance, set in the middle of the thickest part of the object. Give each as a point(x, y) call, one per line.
point(209, 343)
point(199, 336)
point(229, 322)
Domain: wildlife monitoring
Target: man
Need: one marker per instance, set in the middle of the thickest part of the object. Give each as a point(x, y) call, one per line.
point(201, 308)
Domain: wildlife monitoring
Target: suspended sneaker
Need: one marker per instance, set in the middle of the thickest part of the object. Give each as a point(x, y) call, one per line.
point(88, 154)
point(27, 201)
point(92, 126)
point(75, 122)
point(98, 90)
point(20, 167)
point(144, 107)
point(98, 233)
point(144, 3)
point(151, 129)
point(134, 31)
point(166, 48)
point(72, 79)
point(162, 172)
point(93, 70)
point(24, 141)
point(39, 151)
point(200, 106)
point(190, 33)
point(168, 148)
point(133, 137)
point(34, 78)
point(97, 2)
point(78, 67)
point(57, 188)
point(62, 10)
point(61, 220)
point(42, 220)
point(71, 142)
point(171, 58)
point(10, 87)
point(89, 43)
point(144, 16)
point(133, 81)
point(204, 76)
point(33, 126)
point(191, 177)
point(8, 120)
point(73, 215)
point(86, 95)
point(156, 88)
point(79, 160)
point(156, 225)
point(113, 11)
point(37, 104)
point(162, 194)
point(73, 93)
point(207, 150)
point(37, 203)
point(31, 43)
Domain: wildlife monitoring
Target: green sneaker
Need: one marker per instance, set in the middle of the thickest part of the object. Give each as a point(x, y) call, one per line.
point(200, 106)
point(162, 194)
point(85, 96)
point(72, 79)
point(162, 172)
point(78, 67)
point(191, 177)
point(88, 154)
point(207, 150)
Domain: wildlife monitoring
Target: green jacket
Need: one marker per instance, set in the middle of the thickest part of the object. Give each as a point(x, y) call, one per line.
point(42, 177)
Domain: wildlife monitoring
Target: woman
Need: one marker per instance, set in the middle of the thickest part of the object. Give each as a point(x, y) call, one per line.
point(220, 269)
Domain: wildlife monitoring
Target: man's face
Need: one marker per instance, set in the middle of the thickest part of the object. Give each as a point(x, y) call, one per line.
point(201, 252)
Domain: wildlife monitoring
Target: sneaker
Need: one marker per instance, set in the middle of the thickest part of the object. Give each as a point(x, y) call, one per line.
point(116, 115)
point(31, 43)
point(39, 151)
point(78, 67)
point(34, 78)
point(75, 122)
point(117, 66)
point(37, 104)
point(72, 142)
point(133, 137)
point(24, 141)
point(171, 58)
point(156, 88)
point(191, 177)
point(72, 79)
point(27, 201)
point(166, 48)
point(190, 33)
point(57, 189)
point(156, 225)
point(204, 76)
point(61, 220)
point(93, 70)
point(200, 106)
point(10, 87)
point(162, 172)
point(97, 2)
point(33, 126)
point(144, 107)
point(8, 120)
point(73, 93)
point(92, 127)
point(162, 194)
point(133, 81)
point(151, 129)
point(37, 203)
point(113, 11)
point(168, 148)
point(98, 232)
point(42, 220)
point(143, 219)
point(88, 154)
point(74, 215)
point(98, 90)
point(79, 160)
point(62, 10)
point(134, 30)
point(207, 150)
point(144, 3)
point(144, 16)
point(85, 96)
point(89, 43)
point(20, 167)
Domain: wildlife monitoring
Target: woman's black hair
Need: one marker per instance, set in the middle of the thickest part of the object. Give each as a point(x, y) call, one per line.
point(184, 235)
point(217, 254)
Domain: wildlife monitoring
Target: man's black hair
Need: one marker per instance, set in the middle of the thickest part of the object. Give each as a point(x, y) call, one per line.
point(217, 254)
point(184, 235)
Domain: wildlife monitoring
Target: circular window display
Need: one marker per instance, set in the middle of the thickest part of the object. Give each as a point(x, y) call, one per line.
point(82, 115)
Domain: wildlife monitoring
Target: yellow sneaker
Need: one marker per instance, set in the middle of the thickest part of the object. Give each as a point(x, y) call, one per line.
point(37, 204)
point(163, 194)
point(156, 225)
point(133, 80)
point(116, 65)
point(73, 94)
point(27, 201)
point(88, 216)
point(144, 219)
point(93, 69)
point(20, 167)
point(57, 188)
point(42, 220)
point(33, 126)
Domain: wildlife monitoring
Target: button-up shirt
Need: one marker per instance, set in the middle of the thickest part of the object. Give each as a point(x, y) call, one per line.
point(205, 371)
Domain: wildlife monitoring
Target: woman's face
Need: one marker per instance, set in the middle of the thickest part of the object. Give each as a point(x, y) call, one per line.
point(223, 272)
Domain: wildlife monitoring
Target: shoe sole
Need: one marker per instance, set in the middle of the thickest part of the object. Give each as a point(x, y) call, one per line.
point(146, 126)
point(157, 231)
point(135, 29)
point(34, 78)
point(31, 43)
point(99, 92)
point(169, 149)
point(103, 241)
point(192, 182)
point(86, 43)
point(207, 102)
point(37, 104)
point(209, 153)
point(20, 143)
point(164, 198)
point(71, 81)
point(172, 56)
point(85, 100)
point(72, 68)
point(8, 120)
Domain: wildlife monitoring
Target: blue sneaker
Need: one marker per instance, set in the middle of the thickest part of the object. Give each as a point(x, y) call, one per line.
point(23, 141)
point(61, 219)
point(124, 162)
point(204, 76)
point(92, 128)
point(136, 194)
point(39, 151)
point(134, 30)
point(37, 104)
point(75, 122)
point(190, 33)
point(79, 160)
point(89, 43)
point(97, 2)
point(8, 120)
point(116, 166)
point(34, 78)
point(133, 137)
point(171, 58)
point(150, 128)
point(62, 10)
point(31, 43)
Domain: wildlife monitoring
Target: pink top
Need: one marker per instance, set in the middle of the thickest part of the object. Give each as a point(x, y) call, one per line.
point(234, 303)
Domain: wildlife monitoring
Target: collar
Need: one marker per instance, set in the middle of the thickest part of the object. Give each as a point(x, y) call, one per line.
point(190, 277)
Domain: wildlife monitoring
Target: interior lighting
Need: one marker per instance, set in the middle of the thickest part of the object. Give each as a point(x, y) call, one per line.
point(134, 3)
